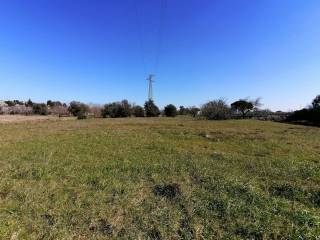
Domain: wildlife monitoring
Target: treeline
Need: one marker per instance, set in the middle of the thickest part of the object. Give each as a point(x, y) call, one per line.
point(29, 107)
point(217, 109)
point(212, 110)
point(309, 115)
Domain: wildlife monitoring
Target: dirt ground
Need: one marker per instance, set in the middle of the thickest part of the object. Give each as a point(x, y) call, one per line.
point(22, 118)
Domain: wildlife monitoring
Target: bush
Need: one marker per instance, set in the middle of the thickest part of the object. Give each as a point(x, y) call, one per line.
point(59, 110)
point(194, 111)
point(138, 111)
point(151, 109)
point(170, 110)
point(307, 115)
point(316, 103)
point(53, 103)
point(29, 103)
point(117, 109)
point(183, 110)
point(311, 115)
point(95, 110)
point(215, 110)
point(40, 108)
point(81, 115)
point(78, 108)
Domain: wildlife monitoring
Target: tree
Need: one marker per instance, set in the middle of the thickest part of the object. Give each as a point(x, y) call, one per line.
point(40, 108)
point(10, 103)
point(95, 110)
point(316, 102)
point(138, 111)
point(59, 110)
point(170, 110)
point(29, 103)
point(309, 115)
point(53, 104)
point(50, 103)
point(215, 110)
point(151, 109)
point(242, 106)
point(194, 111)
point(78, 109)
point(182, 110)
point(117, 109)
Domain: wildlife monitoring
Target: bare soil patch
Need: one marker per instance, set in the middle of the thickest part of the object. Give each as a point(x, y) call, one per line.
point(22, 118)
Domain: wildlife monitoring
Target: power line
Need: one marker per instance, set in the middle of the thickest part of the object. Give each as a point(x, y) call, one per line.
point(160, 35)
point(153, 63)
point(140, 33)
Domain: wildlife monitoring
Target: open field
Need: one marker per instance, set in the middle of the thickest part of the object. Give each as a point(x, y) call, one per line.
point(159, 179)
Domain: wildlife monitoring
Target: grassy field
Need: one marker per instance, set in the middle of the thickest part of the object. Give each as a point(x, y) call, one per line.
point(159, 179)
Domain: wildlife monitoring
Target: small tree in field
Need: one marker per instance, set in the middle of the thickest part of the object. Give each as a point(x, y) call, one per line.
point(95, 110)
point(170, 110)
point(182, 110)
point(194, 111)
point(244, 106)
point(40, 108)
point(117, 109)
point(138, 111)
point(78, 109)
point(59, 111)
point(215, 110)
point(151, 109)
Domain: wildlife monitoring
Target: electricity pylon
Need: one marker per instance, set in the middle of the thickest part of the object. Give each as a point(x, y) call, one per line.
point(150, 93)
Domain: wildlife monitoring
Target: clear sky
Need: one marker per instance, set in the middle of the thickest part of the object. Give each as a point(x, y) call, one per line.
point(102, 50)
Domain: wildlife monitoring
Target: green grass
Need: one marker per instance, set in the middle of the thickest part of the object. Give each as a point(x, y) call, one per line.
point(159, 179)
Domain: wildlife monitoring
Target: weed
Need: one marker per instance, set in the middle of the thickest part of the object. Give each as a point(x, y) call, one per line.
point(170, 191)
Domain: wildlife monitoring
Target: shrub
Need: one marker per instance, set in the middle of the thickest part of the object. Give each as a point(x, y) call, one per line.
point(53, 104)
point(21, 109)
point(307, 115)
point(215, 110)
point(170, 110)
point(194, 111)
point(138, 111)
point(81, 115)
point(10, 103)
point(316, 103)
point(151, 109)
point(95, 110)
point(59, 110)
point(78, 108)
point(117, 109)
point(40, 108)
point(311, 115)
point(29, 103)
point(183, 110)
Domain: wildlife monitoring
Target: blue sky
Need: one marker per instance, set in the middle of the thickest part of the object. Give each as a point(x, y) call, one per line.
point(102, 50)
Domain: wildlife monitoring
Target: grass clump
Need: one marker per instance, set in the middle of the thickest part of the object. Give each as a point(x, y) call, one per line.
point(170, 191)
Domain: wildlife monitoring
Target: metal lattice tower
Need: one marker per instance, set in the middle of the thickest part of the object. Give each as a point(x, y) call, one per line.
point(150, 89)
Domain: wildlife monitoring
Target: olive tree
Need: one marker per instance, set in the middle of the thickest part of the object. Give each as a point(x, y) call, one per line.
point(170, 110)
point(151, 109)
point(215, 110)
